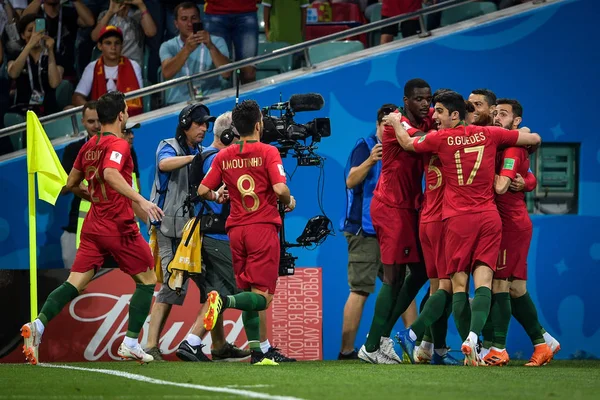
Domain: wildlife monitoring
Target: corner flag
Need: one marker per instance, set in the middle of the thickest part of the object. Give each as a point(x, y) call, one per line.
point(41, 158)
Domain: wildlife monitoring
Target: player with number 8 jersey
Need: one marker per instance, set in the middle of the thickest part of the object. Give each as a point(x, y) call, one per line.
point(254, 177)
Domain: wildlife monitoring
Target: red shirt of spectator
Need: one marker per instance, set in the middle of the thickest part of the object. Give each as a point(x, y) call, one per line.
point(392, 8)
point(229, 6)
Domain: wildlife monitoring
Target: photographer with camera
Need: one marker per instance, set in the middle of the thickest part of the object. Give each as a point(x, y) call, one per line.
point(255, 179)
point(171, 192)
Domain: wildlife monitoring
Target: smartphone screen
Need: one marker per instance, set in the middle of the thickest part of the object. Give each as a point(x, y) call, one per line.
point(40, 25)
point(197, 27)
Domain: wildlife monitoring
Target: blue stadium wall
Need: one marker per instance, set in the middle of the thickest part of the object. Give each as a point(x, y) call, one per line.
point(542, 57)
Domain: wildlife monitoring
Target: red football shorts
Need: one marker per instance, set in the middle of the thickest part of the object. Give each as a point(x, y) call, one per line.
point(431, 235)
point(472, 238)
point(255, 255)
point(397, 233)
point(512, 261)
point(132, 253)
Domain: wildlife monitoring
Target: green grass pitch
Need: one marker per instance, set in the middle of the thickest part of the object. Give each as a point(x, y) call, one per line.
point(572, 380)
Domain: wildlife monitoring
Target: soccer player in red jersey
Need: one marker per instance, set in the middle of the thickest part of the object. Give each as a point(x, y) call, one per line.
point(472, 226)
point(255, 179)
point(109, 229)
point(396, 199)
point(511, 271)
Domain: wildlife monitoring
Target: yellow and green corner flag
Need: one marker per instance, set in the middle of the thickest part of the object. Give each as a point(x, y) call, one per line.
point(51, 177)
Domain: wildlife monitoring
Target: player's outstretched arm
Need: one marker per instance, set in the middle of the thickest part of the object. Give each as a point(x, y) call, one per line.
point(73, 184)
point(113, 177)
point(528, 139)
point(404, 139)
point(283, 194)
point(501, 184)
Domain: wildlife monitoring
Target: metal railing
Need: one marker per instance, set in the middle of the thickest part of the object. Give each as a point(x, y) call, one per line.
point(304, 46)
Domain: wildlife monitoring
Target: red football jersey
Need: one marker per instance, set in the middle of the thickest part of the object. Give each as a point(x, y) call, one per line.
point(434, 189)
point(400, 182)
point(229, 6)
point(249, 169)
point(392, 8)
point(511, 205)
point(468, 157)
point(111, 213)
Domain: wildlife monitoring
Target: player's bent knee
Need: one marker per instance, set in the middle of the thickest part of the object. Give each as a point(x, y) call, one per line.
point(393, 274)
point(482, 275)
point(266, 295)
point(460, 281)
point(445, 284)
point(80, 279)
point(434, 285)
point(518, 288)
point(146, 278)
point(500, 286)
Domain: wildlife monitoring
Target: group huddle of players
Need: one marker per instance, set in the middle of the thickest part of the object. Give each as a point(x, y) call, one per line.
point(471, 220)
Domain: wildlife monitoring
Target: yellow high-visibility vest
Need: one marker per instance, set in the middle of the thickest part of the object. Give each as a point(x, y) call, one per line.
point(84, 207)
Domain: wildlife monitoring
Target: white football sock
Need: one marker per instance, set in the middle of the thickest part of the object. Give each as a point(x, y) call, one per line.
point(130, 342)
point(39, 326)
point(193, 340)
point(472, 337)
point(265, 346)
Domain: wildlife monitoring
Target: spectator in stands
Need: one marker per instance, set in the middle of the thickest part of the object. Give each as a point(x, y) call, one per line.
point(236, 21)
point(191, 53)
point(9, 16)
point(89, 119)
point(111, 71)
point(285, 20)
point(35, 69)
point(62, 22)
point(393, 8)
point(134, 20)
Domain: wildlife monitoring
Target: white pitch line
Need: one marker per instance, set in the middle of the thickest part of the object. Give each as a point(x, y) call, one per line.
point(142, 378)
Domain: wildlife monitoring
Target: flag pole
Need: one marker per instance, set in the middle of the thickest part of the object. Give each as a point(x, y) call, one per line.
point(32, 247)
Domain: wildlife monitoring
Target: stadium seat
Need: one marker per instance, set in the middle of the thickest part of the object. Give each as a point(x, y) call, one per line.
point(467, 11)
point(261, 19)
point(327, 51)
point(373, 13)
point(16, 139)
point(59, 128)
point(64, 94)
point(273, 67)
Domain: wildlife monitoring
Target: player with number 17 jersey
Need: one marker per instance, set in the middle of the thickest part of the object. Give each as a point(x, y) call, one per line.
point(468, 156)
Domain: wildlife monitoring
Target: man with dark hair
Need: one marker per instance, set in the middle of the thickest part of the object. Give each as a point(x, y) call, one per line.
point(484, 101)
point(170, 191)
point(511, 273)
point(110, 228)
point(472, 224)
point(190, 53)
point(364, 261)
point(89, 119)
point(255, 179)
point(396, 199)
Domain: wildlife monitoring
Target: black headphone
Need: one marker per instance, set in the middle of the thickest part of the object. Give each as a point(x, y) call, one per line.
point(185, 122)
point(229, 135)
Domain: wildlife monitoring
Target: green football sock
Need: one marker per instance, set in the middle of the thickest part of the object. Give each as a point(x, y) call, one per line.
point(433, 310)
point(246, 301)
point(500, 314)
point(439, 328)
point(480, 309)
point(462, 313)
point(383, 308)
point(412, 284)
point(488, 328)
point(427, 337)
point(252, 328)
point(139, 307)
point(56, 301)
point(525, 313)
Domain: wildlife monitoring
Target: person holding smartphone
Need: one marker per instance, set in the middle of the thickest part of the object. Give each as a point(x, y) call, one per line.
point(134, 20)
point(35, 69)
point(194, 50)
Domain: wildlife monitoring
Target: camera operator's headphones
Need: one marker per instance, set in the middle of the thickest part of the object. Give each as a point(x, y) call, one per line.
point(229, 135)
point(185, 120)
